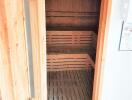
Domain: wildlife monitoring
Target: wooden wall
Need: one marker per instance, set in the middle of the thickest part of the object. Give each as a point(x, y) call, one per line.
point(14, 62)
point(72, 14)
point(14, 81)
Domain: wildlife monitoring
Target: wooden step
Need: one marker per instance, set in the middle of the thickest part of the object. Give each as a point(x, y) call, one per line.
point(59, 62)
point(71, 39)
point(71, 42)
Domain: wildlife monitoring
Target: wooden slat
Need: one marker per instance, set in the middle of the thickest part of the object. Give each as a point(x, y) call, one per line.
point(75, 88)
point(18, 50)
point(106, 7)
point(72, 14)
point(68, 61)
point(72, 39)
point(72, 5)
point(51, 88)
point(42, 43)
point(71, 42)
point(36, 48)
point(72, 23)
point(6, 86)
point(73, 85)
point(72, 93)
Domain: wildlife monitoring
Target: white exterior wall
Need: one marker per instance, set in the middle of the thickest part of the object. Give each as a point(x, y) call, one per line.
point(117, 73)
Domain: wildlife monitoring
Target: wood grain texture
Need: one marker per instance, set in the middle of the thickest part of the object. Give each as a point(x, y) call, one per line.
point(70, 39)
point(72, 14)
point(14, 80)
point(101, 47)
point(42, 44)
point(6, 82)
point(72, 23)
point(70, 85)
point(60, 62)
point(38, 33)
point(17, 47)
point(71, 5)
point(71, 42)
point(36, 48)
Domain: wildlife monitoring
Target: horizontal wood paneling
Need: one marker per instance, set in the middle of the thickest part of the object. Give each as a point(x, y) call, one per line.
point(70, 42)
point(59, 62)
point(71, 39)
point(72, 14)
point(71, 5)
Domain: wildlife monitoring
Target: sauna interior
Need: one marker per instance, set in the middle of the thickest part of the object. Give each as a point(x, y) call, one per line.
point(71, 36)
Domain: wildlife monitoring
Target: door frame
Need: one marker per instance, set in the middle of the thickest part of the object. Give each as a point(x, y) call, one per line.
point(106, 6)
point(38, 25)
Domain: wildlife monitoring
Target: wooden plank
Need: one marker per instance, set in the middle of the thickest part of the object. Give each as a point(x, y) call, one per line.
point(18, 50)
point(51, 95)
point(60, 86)
point(61, 89)
point(55, 87)
point(79, 85)
point(72, 23)
point(103, 29)
point(56, 62)
point(72, 14)
point(72, 85)
point(36, 48)
point(71, 89)
point(70, 39)
point(75, 89)
point(72, 5)
point(42, 42)
point(6, 85)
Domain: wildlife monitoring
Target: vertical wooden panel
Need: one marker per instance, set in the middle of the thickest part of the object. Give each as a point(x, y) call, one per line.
point(6, 86)
point(42, 42)
point(38, 32)
point(102, 34)
point(35, 45)
point(18, 50)
point(14, 79)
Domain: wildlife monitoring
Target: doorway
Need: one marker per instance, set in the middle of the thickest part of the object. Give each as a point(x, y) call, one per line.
point(71, 36)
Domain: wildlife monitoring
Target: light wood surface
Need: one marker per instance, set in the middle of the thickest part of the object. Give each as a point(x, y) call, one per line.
point(60, 62)
point(14, 83)
point(101, 47)
point(42, 44)
point(6, 82)
point(38, 32)
point(14, 76)
point(70, 39)
point(18, 50)
point(36, 48)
